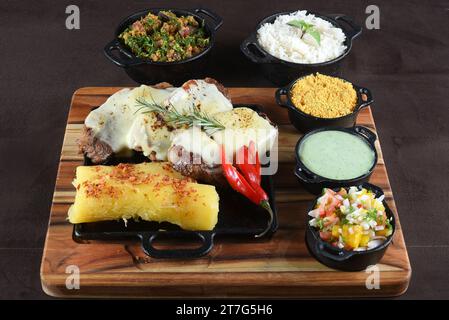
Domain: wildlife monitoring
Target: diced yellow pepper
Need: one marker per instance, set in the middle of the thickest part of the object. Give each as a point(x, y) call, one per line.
point(364, 240)
point(382, 233)
point(335, 233)
point(379, 206)
point(352, 235)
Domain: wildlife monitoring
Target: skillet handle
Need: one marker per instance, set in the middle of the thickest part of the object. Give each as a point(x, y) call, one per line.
point(217, 20)
point(344, 21)
point(113, 46)
point(337, 255)
point(282, 92)
point(368, 134)
point(251, 49)
point(206, 238)
point(369, 97)
point(305, 176)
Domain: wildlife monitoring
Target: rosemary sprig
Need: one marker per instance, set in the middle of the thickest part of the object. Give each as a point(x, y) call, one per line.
point(195, 117)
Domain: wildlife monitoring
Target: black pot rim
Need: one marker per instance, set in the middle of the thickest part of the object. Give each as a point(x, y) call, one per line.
point(351, 253)
point(359, 105)
point(136, 15)
point(353, 131)
point(294, 64)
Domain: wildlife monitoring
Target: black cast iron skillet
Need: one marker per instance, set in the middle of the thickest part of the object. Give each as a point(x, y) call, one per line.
point(148, 72)
point(344, 259)
point(315, 183)
point(305, 122)
point(282, 72)
point(237, 218)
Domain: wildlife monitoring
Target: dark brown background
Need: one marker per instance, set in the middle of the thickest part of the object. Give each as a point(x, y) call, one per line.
point(405, 64)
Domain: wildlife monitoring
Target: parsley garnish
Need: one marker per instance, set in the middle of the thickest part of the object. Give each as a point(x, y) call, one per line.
point(306, 28)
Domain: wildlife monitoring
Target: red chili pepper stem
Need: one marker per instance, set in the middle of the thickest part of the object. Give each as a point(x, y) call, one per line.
point(266, 205)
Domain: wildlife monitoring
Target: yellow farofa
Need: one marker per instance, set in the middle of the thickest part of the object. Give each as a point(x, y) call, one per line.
point(324, 96)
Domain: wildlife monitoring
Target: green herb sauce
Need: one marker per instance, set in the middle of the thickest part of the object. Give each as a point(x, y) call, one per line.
point(336, 155)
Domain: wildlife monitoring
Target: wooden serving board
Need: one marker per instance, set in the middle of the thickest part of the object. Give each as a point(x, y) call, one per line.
point(280, 267)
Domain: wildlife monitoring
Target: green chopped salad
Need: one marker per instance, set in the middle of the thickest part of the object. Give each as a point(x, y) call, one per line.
point(165, 37)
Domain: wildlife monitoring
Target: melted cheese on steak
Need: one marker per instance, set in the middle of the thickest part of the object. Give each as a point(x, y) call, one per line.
point(119, 124)
point(116, 122)
point(242, 126)
point(201, 94)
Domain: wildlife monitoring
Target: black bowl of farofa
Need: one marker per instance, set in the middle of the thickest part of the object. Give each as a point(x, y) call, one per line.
point(306, 122)
point(146, 71)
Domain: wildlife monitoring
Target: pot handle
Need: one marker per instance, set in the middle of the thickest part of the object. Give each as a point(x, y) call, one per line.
point(353, 31)
point(338, 256)
point(114, 45)
point(251, 49)
point(305, 176)
point(279, 94)
point(368, 134)
point(369, 97)
point(205, 237)
point(217, 20)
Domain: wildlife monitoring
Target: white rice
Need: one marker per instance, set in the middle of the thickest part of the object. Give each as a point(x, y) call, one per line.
point(284, 41)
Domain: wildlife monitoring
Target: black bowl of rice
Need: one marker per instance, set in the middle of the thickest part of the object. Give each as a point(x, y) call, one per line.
point(286, 44)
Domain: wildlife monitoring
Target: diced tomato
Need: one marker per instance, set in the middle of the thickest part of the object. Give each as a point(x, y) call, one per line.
point(329, 203)
point(330, 220)
point(335, 203)
point(322, 213)
point(325, 235)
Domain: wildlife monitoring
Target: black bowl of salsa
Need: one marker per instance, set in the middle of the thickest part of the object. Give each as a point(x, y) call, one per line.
point(147, 71)
point(348, 260)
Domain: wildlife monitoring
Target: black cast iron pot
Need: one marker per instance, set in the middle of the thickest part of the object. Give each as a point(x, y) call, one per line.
point(148, 72)
point(315, 183)
point(344, 259)
point(281, 72)
point(305, 122)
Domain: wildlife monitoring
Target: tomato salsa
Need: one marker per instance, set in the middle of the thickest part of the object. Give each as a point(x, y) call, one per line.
point(351, 219)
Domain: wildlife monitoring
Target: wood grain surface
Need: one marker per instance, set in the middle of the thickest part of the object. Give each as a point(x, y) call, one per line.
point(280, 267)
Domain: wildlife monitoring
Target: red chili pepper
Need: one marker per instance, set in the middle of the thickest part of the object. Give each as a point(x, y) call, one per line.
point(247, 166)
point(237, 181)
point(253, 153)
point(251, 190)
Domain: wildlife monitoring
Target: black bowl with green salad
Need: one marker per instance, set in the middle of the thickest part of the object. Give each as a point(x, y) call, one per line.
point(164, 44)
point(335, 157)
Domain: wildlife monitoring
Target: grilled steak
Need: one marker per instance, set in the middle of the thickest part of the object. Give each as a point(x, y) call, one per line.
point(188, 165)
point(96, 150)
point(119, 126)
